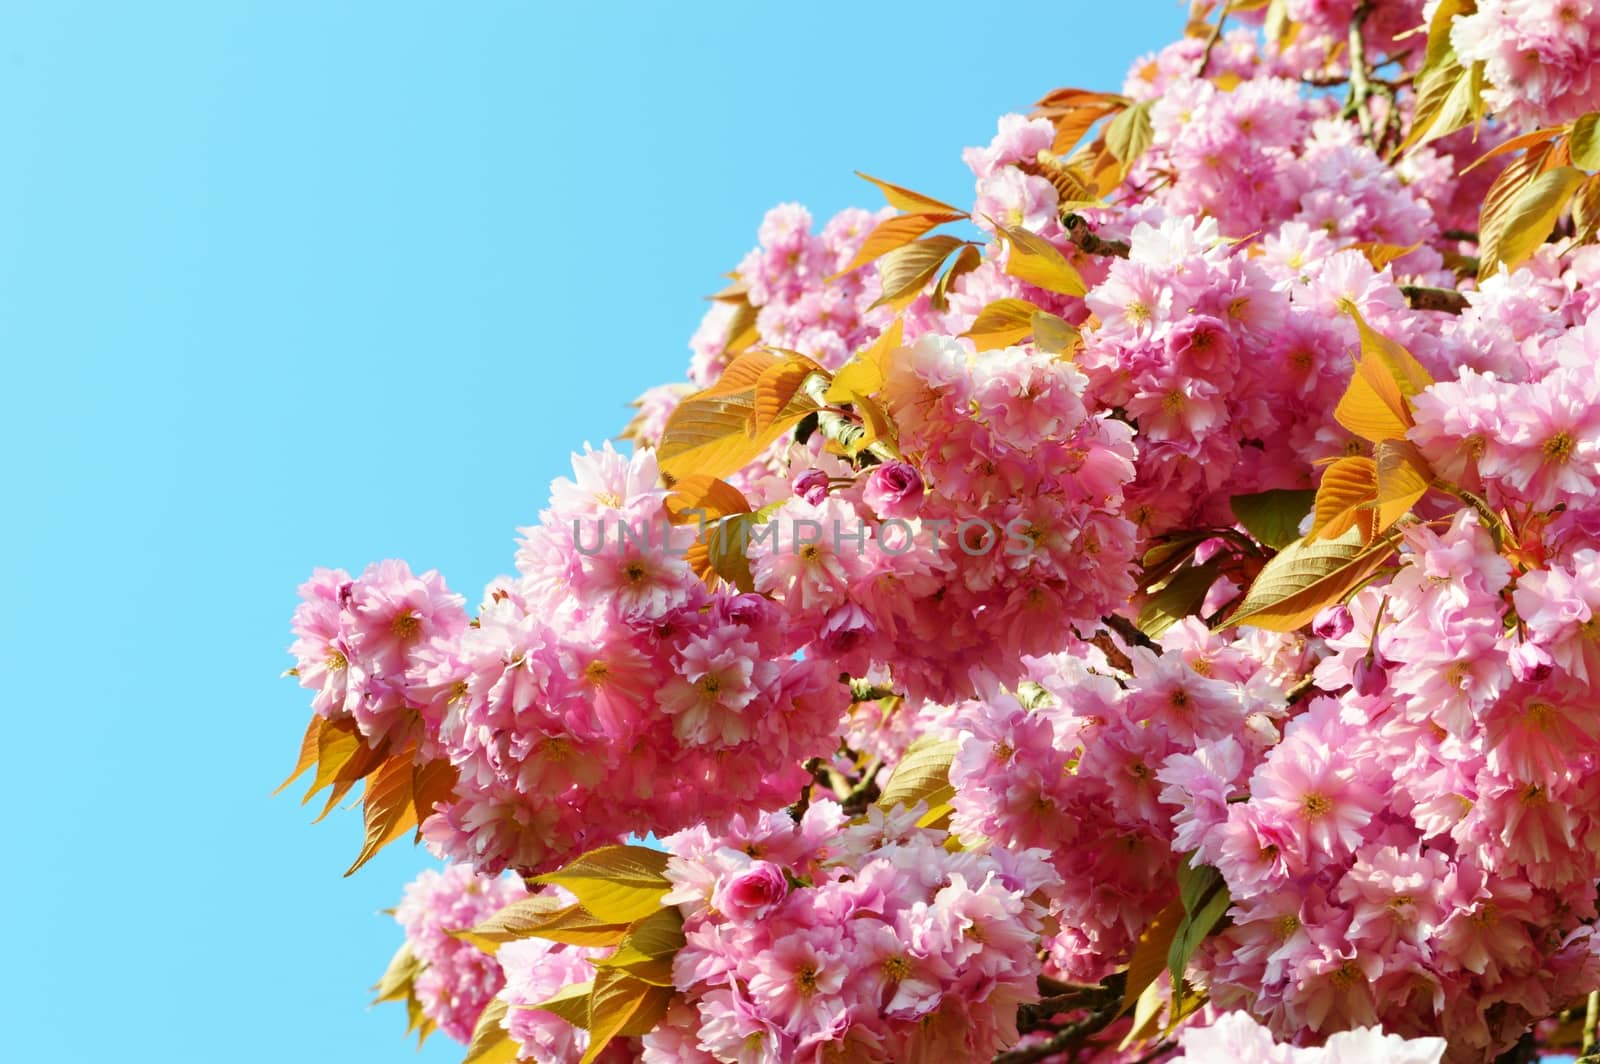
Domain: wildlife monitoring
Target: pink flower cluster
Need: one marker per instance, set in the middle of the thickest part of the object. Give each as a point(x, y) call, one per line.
point(535, 971)
point(798, 308)
point(1527, 432)
point(1413, 852)
point(364, 647)
point(457, 979)
point(816, 939)
point(1000, 527)
point(1074, 763)
point(605, 690)
point(1403, 804)
point(1541, 57)
point(1236, 1037)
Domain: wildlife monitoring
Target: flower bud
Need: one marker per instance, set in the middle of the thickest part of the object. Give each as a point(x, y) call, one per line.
point(1332, 622)
point(1371, 675)
point(812, 486)
point(1530, 663)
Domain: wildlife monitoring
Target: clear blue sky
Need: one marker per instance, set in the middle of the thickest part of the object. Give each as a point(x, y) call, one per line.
point(296, 283)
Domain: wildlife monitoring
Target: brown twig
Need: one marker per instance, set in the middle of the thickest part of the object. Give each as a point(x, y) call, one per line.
point(1360, 86)
point(1079, 232)
point(1424, 297)
point(1063, 1039)
point(1211, 43)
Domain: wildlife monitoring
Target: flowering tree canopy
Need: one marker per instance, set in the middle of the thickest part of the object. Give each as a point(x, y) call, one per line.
point(1153, 614)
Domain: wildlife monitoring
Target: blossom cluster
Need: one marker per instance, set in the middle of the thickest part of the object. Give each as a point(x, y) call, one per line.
point(1400, 800)
point(457, 980)
point(870, 941)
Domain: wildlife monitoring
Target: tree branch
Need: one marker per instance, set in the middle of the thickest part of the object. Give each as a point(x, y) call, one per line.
point(1063, 1039)
point(1360, 87)
point(1423, 297)
point(1080, 233)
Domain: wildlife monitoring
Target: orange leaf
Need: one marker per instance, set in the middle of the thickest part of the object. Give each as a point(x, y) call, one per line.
point(893, 233)
point(1517, 143)
point(308, 753)
point(390, 810)
point(433, 783)
point(905, 271)
point(1002, 323)
point(708, 433)
point(1403, 478)
point(776, 390)
point(1344, 499)
point(712, 498)
point(909, 201)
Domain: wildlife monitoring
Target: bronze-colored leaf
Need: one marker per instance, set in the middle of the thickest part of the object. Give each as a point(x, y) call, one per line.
point(1532, 216)
point(308, 753)
point(389, 808)
point(892, 233)
point(911, 202)
point(1033, 259)
point(1345, 500)
point(905, 271)
point(1002, 324)
point(1306, 576)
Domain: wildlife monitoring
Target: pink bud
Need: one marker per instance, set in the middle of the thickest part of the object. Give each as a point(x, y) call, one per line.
point(1530, 663)
point(812, 486)
point(1332, 622)
point(1371, 675)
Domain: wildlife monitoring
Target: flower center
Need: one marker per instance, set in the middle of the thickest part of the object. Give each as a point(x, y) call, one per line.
point(405, 624)
point(805, 979)
point(1316, 805)
point(1558, 448)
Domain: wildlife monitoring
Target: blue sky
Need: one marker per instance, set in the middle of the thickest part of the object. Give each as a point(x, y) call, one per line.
point(296, 283)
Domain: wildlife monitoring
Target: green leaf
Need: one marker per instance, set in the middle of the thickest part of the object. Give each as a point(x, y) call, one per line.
point(1306, 576)
point(1534, 212)
point(1273, 517)
point(1129, 134)
point(1194, 929)
point(622, 1005)
point(1181, 597)
point(571, 1004)
point(646, 951)
point(491, 1042)
point(1584, 141)
point(923, 774)
point(404, 967)
point(1038, 262)
point(618, 884)
point(1205, 899)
